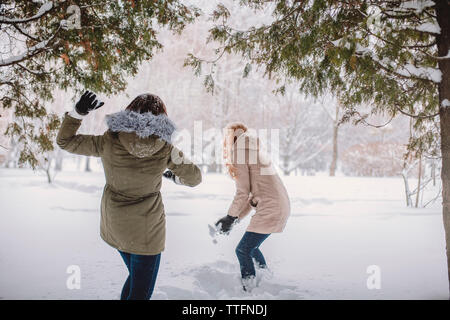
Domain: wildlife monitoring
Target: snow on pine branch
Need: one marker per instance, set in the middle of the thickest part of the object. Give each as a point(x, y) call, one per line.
point(46, 7)
point(407, 70)
point(428, 73)
point(416, 5)
point(430, 27)
point(30, 52)
point(404, 8)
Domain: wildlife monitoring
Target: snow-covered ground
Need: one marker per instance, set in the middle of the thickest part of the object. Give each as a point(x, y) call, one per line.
point(338, 227)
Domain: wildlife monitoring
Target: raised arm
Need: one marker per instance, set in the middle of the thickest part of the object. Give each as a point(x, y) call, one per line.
point(67, 139)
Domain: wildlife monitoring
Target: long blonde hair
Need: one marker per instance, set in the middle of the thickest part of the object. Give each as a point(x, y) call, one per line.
point(232, 131)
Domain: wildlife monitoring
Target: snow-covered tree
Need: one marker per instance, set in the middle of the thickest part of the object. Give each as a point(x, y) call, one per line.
point(393, 55)
point(333, 109)
point(75, 44)
point(374, 159)
point(304, 132)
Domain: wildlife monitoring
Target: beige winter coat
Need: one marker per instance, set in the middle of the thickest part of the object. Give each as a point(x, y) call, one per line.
point(258, 186)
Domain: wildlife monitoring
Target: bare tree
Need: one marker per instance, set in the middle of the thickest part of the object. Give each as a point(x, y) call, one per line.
point(304, 133)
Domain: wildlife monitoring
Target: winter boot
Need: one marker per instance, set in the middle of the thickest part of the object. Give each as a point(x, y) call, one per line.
point(249, 283)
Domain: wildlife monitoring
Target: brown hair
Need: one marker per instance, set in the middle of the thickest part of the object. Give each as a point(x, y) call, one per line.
point(232, 131)
point(147, 103)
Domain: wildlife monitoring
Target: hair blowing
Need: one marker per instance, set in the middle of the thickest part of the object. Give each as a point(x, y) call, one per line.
point(232, 131)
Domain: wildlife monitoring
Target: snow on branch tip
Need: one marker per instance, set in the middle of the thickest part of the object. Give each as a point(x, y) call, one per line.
point(30, 52)
point(46, 7)
point(406, 70)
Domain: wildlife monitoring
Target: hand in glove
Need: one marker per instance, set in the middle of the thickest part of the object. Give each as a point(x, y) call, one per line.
point(87, 103)
point(226, 223)
point(169, 175)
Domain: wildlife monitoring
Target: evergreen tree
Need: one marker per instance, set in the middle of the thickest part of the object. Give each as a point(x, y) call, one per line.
point(392, 55)
point(73, 44)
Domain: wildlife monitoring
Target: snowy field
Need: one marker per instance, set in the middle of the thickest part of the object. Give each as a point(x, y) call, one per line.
point(338, 227)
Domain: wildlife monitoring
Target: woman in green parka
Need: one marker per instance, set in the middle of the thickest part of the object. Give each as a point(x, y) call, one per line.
point(135, 151)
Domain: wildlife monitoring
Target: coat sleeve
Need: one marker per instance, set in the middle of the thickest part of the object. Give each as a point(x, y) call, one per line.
point(188, 174)
point(67, 139)
point(240, 207)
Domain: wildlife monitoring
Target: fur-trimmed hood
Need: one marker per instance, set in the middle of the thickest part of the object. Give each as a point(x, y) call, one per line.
point(143, 124)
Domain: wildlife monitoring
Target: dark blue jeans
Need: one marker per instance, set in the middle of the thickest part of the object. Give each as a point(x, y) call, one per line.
point(248, 249)
point(142, 276)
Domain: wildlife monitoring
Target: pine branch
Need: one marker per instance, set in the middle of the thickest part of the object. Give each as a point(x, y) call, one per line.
point(416, 116)
point(25, 34)
point(31, 52)
point(43, 10)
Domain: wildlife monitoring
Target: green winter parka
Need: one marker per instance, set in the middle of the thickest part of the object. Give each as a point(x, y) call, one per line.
point(135, 151)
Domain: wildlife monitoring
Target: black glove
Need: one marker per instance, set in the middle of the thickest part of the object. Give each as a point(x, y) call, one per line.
point(87, 103)
point(169, 175)
point(225, 224)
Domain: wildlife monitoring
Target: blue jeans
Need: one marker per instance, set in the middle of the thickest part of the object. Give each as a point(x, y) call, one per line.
point(143, 270)
point(248, 249)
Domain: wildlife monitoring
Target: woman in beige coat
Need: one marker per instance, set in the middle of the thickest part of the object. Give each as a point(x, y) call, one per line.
point(257, 186)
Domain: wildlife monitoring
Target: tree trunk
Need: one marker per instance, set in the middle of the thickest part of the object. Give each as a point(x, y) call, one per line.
point(59, 160)
point(335, 151)
point(286, 163)
point(88, 164)
point(335, 141)
point(433, 172)
point(407, 191)
point(48, 171)
point(419, 181)
point(443, 43)
point(49, 177)
point(445, 176)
